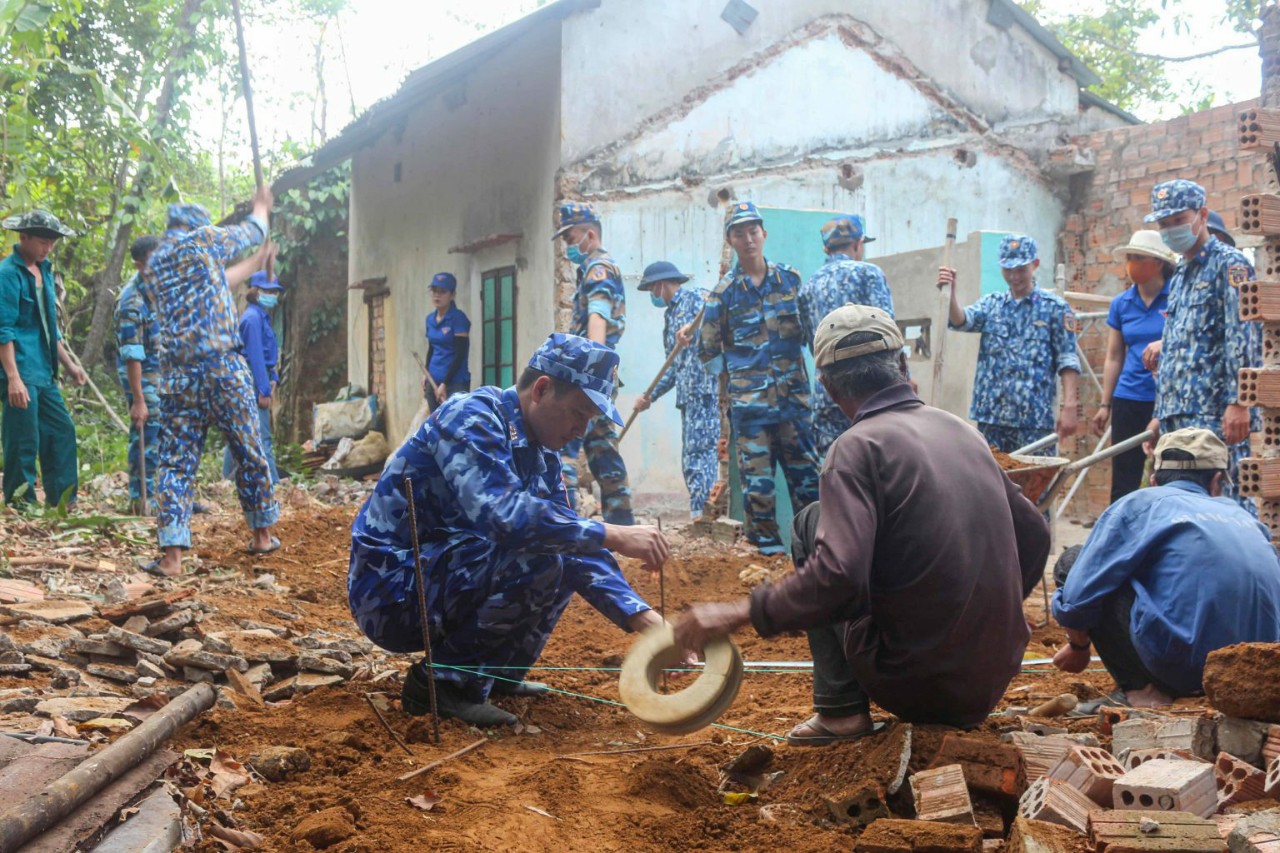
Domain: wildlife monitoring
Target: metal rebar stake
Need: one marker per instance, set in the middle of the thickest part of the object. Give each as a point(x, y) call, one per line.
point(422, 607)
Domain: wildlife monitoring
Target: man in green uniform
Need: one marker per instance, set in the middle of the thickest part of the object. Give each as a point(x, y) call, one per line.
point(35, 424)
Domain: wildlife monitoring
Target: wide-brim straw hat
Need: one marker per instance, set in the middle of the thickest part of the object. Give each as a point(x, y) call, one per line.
point(1146, 242)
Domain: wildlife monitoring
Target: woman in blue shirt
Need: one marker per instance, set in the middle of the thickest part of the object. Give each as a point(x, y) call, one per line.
point(1136, 319)
point(448, 339)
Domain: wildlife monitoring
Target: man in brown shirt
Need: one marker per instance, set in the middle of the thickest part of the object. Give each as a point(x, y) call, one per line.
point(924, 549)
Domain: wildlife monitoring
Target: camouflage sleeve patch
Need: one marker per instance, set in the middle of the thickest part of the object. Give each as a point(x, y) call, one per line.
point(599, 272)
point(1069, 322)
point(1238, 274)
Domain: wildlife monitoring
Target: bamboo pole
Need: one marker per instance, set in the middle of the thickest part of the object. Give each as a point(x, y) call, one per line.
point(944, 297)
point(248, 94)
point(662, 371)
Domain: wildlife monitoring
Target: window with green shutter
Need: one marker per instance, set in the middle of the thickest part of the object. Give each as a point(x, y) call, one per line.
point(498, 326)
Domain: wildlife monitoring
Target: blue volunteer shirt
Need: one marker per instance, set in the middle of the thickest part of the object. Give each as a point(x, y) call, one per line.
point(1139, 325)
point(259, 348)
point(1203, 572)
point(440, 334)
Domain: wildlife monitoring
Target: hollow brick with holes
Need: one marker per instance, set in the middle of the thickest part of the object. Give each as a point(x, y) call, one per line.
point(1238, 781)
point(1134, 757)
point(1057, 802)
point(1169, 786)
point(1090, 770)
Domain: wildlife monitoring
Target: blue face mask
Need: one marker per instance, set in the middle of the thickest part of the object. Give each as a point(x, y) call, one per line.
point(268, 300)
point(658, 301)
point(1180, 238)
point(574, 254)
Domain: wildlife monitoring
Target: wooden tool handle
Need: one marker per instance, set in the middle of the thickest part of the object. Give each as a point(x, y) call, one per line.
point(662, 371)
point(248, 93)
point(431, 382)
point(944, 297)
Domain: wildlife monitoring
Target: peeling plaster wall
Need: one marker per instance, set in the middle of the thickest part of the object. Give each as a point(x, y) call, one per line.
point(483, 168)
point(1002, 75)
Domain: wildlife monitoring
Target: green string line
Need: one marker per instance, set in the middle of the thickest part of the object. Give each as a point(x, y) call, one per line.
point(748, 671)
point(551, 689)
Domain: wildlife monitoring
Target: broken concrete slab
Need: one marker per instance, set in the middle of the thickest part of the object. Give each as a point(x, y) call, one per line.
point(300, 684)
point(1256, 833)
point(1169, 786)
point(258, 646)
point(126, 675)
point(190, 653)
point(55, 611)
point(1243, 680)
point(889, 835)
point(1243, 738)
point(43, 638)
point(155, 828)
point(174, 622)
point(138, 642)
point(313, 662)
point(80, 709)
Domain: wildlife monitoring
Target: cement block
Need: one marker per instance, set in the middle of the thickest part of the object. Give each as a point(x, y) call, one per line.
point(1134, 734)
point(1256, 833)
point(1243, 738)
point(1171, 786)
point(1194, 734)
point(155, 828)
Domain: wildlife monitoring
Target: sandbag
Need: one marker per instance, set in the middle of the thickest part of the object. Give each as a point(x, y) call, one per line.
point(350, 419)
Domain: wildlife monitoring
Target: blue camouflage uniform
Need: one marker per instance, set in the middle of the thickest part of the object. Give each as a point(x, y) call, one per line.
point(261, 352)
point(502, 551)
point(697, 394)
point(137, 333)
point(757, 329)
point(599, 292)
point(204, 380)
point(840, 281)
point(1205, 343)
point(1026, 344)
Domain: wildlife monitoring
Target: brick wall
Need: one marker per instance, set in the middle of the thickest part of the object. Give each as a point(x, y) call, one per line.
point(1107, 206)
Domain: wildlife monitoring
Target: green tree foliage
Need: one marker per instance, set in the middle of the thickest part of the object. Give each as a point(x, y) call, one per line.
point(1108, 44)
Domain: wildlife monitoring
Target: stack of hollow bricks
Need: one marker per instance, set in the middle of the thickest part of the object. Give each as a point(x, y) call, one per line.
point(1109, 204)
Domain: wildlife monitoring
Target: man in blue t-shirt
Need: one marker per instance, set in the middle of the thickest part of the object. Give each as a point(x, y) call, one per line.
point(1168, 575)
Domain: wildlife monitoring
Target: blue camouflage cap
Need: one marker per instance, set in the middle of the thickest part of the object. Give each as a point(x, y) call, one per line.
point(743, 211)
point(1017, 250)
point(1174, 197)
point(574, 213)
point(845, 228)
point(188, 216)
point(261, 281)
point(591, 366)
point(444, 281)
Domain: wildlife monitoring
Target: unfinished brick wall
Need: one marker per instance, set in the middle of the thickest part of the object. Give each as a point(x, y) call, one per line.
point(1107, 206)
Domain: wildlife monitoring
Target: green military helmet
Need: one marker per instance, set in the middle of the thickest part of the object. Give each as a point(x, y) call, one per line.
point(38, 223)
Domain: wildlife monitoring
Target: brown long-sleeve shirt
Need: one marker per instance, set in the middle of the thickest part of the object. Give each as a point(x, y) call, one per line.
point(925, 550)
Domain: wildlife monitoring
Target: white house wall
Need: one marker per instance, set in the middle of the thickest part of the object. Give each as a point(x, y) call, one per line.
point(650, 54)
point(485, 167)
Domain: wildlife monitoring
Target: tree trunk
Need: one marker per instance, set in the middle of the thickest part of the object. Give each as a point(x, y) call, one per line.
point(108, 281)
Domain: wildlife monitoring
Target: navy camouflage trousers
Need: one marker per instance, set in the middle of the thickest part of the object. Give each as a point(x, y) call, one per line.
point(761, 447)
point(1235, 452)
point(829, 423)
point(700, 432)
point(1009, 439)
point(491, 611)
point(217, 392)
point(150, 438)
point(606, 465)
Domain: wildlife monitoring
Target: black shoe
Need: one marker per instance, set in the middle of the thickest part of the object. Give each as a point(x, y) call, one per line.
point(415, 698)
point(200, 509)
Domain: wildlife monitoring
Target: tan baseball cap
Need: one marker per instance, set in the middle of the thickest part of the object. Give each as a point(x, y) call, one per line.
point(846, 320)
point(1209, 451)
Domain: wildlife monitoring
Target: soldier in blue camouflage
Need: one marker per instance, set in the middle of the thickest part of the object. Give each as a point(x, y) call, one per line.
point(1205, 343)
point(138, 368)
point(696, 391)
point(502, 551)
point(752, 327)
point(1028, 339)
point(600, 315)
point(204, 380)
point(843, 280)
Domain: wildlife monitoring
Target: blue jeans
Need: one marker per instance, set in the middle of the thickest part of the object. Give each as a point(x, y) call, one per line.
point(268, 450)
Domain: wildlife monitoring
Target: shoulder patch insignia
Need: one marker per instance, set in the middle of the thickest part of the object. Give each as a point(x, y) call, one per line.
point(1237, 274)
point(599, 272)
point(511, 432)
point(1069, 322)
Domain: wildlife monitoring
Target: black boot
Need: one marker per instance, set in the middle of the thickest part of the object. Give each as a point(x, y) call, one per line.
point(451, 700)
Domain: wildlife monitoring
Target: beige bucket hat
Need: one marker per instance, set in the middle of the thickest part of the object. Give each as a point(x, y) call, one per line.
point(1146, 242)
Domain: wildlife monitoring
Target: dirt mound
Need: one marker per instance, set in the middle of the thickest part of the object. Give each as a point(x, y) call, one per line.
point(671, 781)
